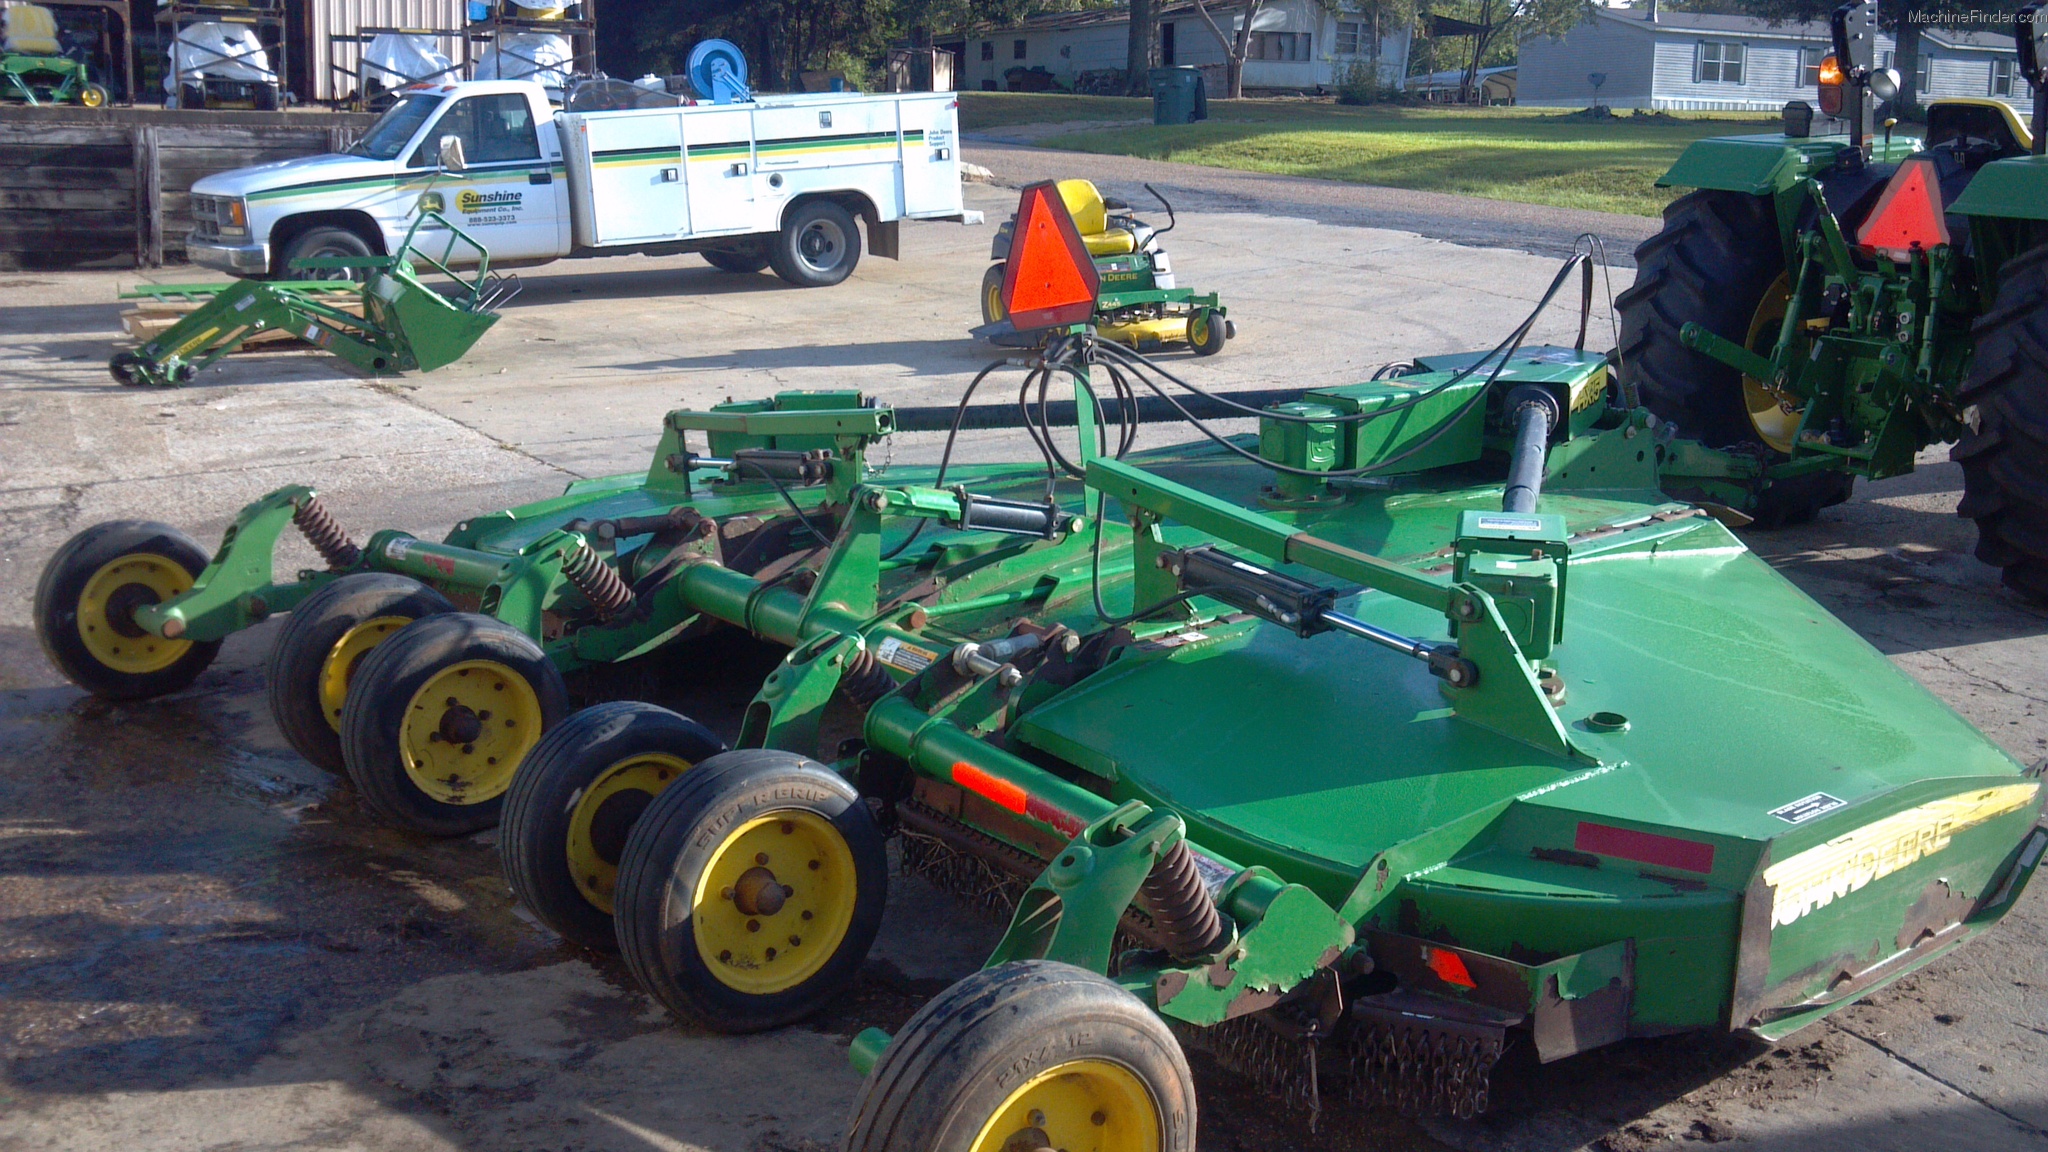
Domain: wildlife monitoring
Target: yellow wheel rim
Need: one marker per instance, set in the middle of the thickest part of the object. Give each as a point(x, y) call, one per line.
point(775, 902)
point(605, 812)
point(1775, 415)
point(106, 612)
point(466, 730)
point(1079, 1106)
point(92, 97)
point(992, 305)
point(1198, 328)
point(340, 665)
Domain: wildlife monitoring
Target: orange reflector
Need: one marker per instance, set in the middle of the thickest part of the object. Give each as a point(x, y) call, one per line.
point(1049, 280)
point(1908, 215)
point(999, 792)
point(1450, 968)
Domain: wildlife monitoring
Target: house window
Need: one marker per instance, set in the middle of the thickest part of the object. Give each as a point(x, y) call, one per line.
point(1280, 46)
point(1809, 66)
point(2002, 72)
point(1017, 48)
point(1353, 38)
point(1720, 62)
point(988, 49)
point(1923, 74)
point(1166, 45)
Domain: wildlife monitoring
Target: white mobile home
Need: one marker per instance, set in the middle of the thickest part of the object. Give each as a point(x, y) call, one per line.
point(1641, 58)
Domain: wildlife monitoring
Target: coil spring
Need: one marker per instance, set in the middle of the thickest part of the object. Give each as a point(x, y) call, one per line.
point(865, 679)
point(1180, 906)
point(325, 535)
point(599, 584)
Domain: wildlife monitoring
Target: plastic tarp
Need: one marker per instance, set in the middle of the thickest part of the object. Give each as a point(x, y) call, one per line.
point(221, 51)
point(394, 59)
point(533, 56)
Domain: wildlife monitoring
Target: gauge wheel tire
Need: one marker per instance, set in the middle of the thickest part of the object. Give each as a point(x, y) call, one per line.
point(1206, 332)
point(819, 245)
point(574, 802)
point(745, 262)
point(192, 96)
point(94, 96)
point(2004, 451)
point(751, 890)
point(992, 308)
point(439, 716)
point(323, 644)
point(127, 369)
point(1713, 263)
point(264, 97)
point(323, 240)
point(86, 598)
point(974, 1070)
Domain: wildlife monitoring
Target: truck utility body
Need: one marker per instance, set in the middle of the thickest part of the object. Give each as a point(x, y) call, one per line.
point(536, 183)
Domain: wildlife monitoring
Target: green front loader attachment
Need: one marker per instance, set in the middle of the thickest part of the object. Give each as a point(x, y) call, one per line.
point(404, 324)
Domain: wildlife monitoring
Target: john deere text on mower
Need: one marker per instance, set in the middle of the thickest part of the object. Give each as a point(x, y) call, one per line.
point(1825, 306)
point(1418, 723)
point(1140, 302)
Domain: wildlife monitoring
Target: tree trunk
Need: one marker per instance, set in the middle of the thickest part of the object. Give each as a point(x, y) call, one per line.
point(1907, 57)
point(1234, 52)
point(1138, 53)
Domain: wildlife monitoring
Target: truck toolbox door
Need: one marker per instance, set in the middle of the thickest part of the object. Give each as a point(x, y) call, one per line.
point(507, 197)
point(719, 142)
point(636, 177)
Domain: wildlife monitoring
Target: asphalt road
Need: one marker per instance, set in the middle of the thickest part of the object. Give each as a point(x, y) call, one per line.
point(205, 945)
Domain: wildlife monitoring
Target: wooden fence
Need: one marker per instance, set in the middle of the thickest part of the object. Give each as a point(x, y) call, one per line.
point(111, 188)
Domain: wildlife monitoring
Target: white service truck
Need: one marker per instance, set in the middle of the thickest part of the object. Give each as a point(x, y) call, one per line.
point(775, 182)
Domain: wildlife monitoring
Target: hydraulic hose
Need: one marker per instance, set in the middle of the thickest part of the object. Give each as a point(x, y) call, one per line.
point(1534, 412)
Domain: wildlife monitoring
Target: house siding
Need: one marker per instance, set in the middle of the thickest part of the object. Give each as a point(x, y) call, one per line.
point(1553, 71)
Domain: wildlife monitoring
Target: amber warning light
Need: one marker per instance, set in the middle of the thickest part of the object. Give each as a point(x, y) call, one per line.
point(1831, 80)
point(1049, 280)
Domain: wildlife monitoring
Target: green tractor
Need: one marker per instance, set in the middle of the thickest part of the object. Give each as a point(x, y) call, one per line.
point(34, 68)
point(1823, 307)
point(1139, 302)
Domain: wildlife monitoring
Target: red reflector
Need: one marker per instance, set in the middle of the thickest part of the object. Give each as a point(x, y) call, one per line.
point(1001, 793)
point(1049, 280)
point(1644, 847)
point(1908, 215)
point(1450, 968)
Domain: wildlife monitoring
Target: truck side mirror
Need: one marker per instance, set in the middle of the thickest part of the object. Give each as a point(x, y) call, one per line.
point(451, 154)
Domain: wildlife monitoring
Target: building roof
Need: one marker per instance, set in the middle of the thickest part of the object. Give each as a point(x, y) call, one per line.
point(1988, 39)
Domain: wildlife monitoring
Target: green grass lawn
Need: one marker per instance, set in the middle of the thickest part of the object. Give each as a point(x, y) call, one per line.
point(1536, 156)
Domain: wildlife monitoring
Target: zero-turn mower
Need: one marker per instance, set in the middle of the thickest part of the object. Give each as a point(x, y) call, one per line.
point(1140, 302)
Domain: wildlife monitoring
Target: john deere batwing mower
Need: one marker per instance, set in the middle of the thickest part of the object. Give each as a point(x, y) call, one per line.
point(1822, 307)
point(1417, 724)
point(1140, 302)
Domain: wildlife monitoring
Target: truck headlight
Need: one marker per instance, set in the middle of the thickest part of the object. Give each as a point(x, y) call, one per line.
point(234, 218)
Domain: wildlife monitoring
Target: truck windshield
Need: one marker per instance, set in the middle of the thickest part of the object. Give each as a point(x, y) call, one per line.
point(387, 137)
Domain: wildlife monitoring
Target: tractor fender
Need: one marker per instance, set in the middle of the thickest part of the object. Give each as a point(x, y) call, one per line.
point(2012, 189)
point(1755, 165)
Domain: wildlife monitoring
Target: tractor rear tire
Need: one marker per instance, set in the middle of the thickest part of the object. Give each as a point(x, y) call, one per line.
point(324, 641)
point(2004, 451)
point(85, 603)
point(1716, 257)
point(751, 890)
point(573, 805)
point(1030, 1054)
point(819, 245)
point(439, 716)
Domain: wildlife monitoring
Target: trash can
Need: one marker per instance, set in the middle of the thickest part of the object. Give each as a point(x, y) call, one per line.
point(1179, 96)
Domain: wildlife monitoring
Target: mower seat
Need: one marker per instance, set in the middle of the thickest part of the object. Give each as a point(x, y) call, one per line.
point(1091, 216)
point(29, 30)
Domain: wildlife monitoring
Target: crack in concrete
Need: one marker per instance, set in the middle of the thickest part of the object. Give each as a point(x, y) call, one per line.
point(506, 445)
point(1979, 677)
point(1923, 1070)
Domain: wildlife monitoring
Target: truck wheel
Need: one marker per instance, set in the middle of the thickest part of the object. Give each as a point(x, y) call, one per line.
point(85, 604)
point(324, 641)
point(978, 1068)
point(741, 262)
point(818, 246)
point(751, 890)
point(439, 716)
point(992, 308)
point(575, 800)
point(1718, 263)
point(2004, 452)
point(325, 240)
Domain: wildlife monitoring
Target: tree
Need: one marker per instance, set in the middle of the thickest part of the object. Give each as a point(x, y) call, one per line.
point(1138, 50)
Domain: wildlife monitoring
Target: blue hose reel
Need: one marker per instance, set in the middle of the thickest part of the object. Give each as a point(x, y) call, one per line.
point(718, 72)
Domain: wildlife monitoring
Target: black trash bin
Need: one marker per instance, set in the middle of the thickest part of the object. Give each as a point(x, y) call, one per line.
point(1179, 96)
